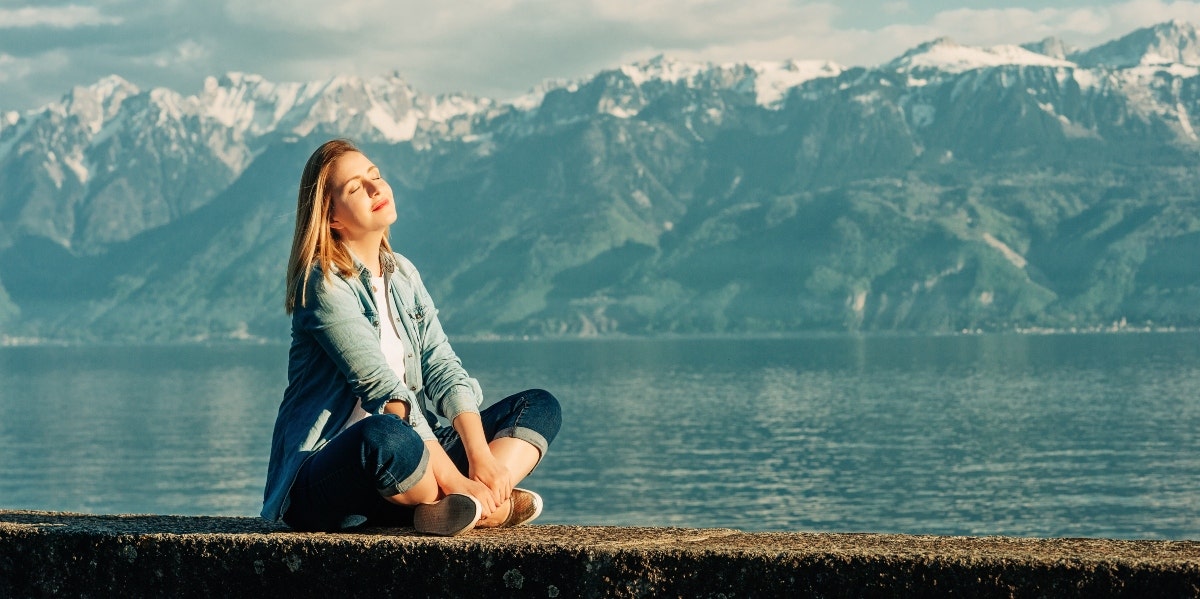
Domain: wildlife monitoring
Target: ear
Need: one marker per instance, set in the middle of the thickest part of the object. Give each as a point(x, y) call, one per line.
point(334, 223)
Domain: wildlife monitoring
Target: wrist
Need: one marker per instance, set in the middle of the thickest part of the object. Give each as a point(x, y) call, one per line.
point(478, 452)
point(398, 407)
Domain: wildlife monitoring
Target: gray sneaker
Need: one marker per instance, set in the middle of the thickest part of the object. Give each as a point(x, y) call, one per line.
point(455, 514)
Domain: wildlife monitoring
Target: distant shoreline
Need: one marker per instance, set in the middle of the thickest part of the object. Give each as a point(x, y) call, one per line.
point(1113, 329)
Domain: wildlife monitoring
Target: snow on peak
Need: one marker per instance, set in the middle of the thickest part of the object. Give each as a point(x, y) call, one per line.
point(946, 55)
point(1173, 42)
point(447, 107)
point(384, 108)
point(95, 104)
point(772, 80)
point(768, 81)
point(112, 85)
point(661, 68)
point(1052, 47)
point(532, 99)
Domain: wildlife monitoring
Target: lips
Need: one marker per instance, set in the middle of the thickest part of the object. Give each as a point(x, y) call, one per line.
point(380, 204)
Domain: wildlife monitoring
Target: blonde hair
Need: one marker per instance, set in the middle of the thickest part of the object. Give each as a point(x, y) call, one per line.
point(314, 241)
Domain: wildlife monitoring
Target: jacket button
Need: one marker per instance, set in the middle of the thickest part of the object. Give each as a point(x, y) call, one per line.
point(412, 388)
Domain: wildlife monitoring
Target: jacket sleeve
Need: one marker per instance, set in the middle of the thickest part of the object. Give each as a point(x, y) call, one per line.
point(447, 384)
point(334, 316)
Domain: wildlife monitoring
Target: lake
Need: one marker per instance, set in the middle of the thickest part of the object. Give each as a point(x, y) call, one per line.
point(1090, 435)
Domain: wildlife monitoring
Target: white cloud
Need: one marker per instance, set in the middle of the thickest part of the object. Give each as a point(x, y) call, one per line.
point(1140, 13)
point(15, 68)
point(1081, 26)
point(313, 15)
point(12, 68)
point(504, 47)
point(706, 20)
point(61, 17)
point(383, 21)
point(186, 52)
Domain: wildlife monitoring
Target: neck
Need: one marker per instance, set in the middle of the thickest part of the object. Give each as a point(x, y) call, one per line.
point(366, 249)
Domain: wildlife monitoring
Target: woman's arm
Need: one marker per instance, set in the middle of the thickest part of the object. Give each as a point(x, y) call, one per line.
point(450, 480)
point(485, 468)
point(457, 397)
point(447, 475)
point(334, 317)
point(447, 383)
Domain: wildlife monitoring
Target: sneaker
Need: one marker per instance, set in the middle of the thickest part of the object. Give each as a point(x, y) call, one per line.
point(526, 505)
point(455, 514)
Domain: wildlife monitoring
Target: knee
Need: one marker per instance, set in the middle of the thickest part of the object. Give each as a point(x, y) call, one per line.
point(548, 409)
point(390, 440)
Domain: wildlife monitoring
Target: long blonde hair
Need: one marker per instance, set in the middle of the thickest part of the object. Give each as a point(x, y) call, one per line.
point(314, 240)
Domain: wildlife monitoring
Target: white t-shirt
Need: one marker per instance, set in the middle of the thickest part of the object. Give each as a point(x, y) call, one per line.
point(389, 341)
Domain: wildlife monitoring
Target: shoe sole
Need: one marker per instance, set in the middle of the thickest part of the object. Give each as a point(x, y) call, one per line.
point(453, 515)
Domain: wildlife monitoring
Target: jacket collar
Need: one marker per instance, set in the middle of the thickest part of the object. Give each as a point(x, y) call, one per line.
point(387, 264)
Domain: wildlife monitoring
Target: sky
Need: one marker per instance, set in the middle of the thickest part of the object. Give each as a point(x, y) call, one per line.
point(500, 48)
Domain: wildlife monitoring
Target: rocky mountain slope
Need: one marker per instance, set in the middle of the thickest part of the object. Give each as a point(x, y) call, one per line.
point(953, 188)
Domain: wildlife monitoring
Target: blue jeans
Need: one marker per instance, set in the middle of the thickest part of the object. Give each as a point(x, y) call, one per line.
point(345, 483)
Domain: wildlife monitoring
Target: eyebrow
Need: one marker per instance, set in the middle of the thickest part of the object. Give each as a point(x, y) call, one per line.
point(359, 177)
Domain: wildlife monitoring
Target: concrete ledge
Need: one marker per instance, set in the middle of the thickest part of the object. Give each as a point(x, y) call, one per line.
point(55, 554)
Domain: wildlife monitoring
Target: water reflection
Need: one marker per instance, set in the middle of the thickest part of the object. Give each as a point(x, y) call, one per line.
point(1089, 435)
point(178, 430)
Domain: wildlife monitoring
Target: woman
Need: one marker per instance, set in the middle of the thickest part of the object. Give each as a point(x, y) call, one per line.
point(356, 440)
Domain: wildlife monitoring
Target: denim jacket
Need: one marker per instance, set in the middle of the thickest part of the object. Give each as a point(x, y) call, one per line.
point(335, 362)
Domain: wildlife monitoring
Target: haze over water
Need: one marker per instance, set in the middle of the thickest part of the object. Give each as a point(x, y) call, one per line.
point(1057, 435)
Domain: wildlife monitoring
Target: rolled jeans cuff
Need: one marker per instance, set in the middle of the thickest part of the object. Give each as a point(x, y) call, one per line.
point(529, 436)
point(409, 481)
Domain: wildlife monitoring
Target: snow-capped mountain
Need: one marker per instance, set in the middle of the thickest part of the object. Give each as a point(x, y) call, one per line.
point(1174, 42)
point(81, 153)
point(952, 187)
point(71, 150)
point(1052, 47)
point(945, 56)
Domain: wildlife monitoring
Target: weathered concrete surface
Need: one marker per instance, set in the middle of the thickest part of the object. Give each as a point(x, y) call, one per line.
point(53, 554)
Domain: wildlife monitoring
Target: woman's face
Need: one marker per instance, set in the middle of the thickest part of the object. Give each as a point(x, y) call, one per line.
point(362, 200)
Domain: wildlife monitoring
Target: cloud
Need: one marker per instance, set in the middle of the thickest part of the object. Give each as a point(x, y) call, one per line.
point(185, 53)
point(12, 68)
point(59, 17)
point(1148, 12)
point(383, 21)
point(1084, 26)
point(504, 47)
point(498, 48)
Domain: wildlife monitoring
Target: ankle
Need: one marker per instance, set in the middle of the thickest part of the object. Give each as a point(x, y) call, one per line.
point(498, 517)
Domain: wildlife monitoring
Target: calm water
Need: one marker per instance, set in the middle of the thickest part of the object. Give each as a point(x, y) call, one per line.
point(1087, 435)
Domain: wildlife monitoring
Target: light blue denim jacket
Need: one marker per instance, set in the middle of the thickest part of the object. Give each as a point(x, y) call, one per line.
point(335, 361)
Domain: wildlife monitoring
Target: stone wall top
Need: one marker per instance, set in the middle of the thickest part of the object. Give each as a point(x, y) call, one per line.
point(44, 554)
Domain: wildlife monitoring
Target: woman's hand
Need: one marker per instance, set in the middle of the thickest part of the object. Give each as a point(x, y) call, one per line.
point(474, 488)
point(489, 471)
point(483, 465)
point(450, 480)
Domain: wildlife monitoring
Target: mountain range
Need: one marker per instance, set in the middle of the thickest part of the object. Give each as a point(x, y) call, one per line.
point(954, 188)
